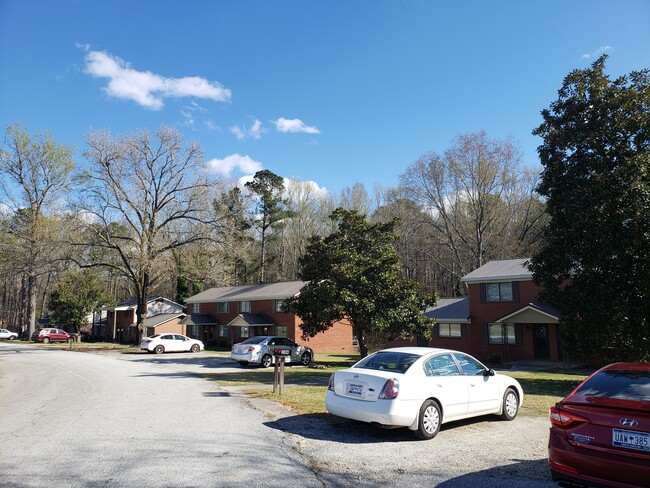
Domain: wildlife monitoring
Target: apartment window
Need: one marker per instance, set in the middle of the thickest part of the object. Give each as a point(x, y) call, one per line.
point(245, 307)
point(196, 308)
point(224, 331)
point(282, 331)
point(502, 334)
point(499, 292)
point(278, 305)
point(449, 330)
point(223, 307)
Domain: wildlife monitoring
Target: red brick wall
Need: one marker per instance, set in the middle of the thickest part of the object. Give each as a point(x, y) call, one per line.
point(337, 339)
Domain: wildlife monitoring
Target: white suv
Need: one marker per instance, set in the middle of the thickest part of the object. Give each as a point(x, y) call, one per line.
point(7, 334)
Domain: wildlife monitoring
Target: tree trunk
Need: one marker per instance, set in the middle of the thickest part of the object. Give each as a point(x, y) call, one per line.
point(31, 301)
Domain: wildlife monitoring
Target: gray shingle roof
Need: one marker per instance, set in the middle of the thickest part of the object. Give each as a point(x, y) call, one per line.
point(454, 310)
point(160, 319)
point(508, 269)
point(260, 291)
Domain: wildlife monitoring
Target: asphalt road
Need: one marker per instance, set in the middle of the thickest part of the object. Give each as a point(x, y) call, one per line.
point(87, 420)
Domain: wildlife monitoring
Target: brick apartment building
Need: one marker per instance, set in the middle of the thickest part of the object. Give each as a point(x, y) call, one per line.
point(231, 314)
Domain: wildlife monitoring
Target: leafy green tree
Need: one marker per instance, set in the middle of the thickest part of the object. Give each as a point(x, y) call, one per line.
point(355, 274)
point(35, 174)
point(595, 263)
point(270, 211)
point(76, 296)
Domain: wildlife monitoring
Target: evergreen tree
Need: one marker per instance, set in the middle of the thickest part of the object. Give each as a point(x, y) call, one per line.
point(355, 274)
point(595, 263)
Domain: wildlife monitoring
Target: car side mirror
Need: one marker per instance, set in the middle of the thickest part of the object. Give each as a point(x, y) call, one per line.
point(489, 372)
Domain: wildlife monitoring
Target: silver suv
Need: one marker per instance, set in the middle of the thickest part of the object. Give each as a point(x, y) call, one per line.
point(259, 350)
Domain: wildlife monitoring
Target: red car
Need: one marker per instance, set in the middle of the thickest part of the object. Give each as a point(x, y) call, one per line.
point(51, 335)
point(600, 433)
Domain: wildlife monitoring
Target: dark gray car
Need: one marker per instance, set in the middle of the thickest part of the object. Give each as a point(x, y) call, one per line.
point(259, 350)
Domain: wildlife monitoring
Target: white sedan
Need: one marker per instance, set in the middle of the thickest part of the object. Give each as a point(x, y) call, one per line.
point(7, 334)
point(160, 343)
point(421, 388)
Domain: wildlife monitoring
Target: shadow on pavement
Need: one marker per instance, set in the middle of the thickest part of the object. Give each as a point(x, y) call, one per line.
point(330, 428)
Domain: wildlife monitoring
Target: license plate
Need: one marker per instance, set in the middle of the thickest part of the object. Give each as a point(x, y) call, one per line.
point(355, 389)
point(631, 439)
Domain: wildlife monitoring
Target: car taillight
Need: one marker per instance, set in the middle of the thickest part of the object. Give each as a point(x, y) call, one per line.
point(565, 419)
point(390, 390)
point(249, 349)
point(330, 385)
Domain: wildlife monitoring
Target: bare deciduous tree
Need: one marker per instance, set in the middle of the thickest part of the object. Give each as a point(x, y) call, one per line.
point(475, 199)
point(143, 197)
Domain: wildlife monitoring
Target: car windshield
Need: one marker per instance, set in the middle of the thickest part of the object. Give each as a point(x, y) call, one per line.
point(397, 362)
point(619, 384)
point(254, 340)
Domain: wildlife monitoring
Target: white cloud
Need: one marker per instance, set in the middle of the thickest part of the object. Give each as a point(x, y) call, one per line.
point(303, 190)
point(255, 131)
point(146, 88)
point(294, 125)
point(598, 52)
point(244, 164)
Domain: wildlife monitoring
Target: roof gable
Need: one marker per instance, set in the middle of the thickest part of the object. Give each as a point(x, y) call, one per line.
point(507, 269)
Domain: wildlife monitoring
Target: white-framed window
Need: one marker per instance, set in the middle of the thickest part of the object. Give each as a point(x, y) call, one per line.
point(223, 307)
point(450, 330)
point(282, 331)
point(224, 331)
point(498, 292)
point(502, 334)
point(243, 332)
point(196, 308)
point(245, 307)
point(278, 305)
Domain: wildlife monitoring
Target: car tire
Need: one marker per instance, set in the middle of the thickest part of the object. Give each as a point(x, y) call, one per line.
point(195, 348)
point(11, 338)
point(46, 340)
point(70, 340)
point(429, 420)
point(510, 405)
point(305, 359)
point(159, 349)
point(266, 361)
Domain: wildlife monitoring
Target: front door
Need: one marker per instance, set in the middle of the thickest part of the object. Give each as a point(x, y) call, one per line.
point(541, 349)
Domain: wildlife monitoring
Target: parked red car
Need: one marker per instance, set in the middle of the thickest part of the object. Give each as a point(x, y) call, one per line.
point(51, 335)
point(600, 433)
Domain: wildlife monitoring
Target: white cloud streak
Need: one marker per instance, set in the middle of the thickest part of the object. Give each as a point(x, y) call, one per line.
point(598, 52)
point(244, 164)
point(255, 131)
point(294, 125)
point(146, 88)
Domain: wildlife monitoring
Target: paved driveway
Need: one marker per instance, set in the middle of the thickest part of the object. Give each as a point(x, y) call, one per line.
point(76, 419)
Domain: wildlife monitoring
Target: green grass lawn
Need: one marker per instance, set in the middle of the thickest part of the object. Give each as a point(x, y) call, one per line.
point(305, 387)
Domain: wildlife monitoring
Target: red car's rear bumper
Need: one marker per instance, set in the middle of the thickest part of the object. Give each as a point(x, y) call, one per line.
point(579, 465)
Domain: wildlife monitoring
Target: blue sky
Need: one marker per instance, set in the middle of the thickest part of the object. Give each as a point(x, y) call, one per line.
point(335, 92)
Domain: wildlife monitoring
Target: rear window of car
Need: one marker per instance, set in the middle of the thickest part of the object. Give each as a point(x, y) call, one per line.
point(254, 340)
point(619, 384)
point(398, 362)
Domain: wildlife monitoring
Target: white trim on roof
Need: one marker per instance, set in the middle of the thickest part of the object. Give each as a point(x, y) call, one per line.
point(524, 309)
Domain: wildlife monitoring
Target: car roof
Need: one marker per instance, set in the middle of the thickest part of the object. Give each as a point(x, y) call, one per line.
point(420, 351)
point(627, 367)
